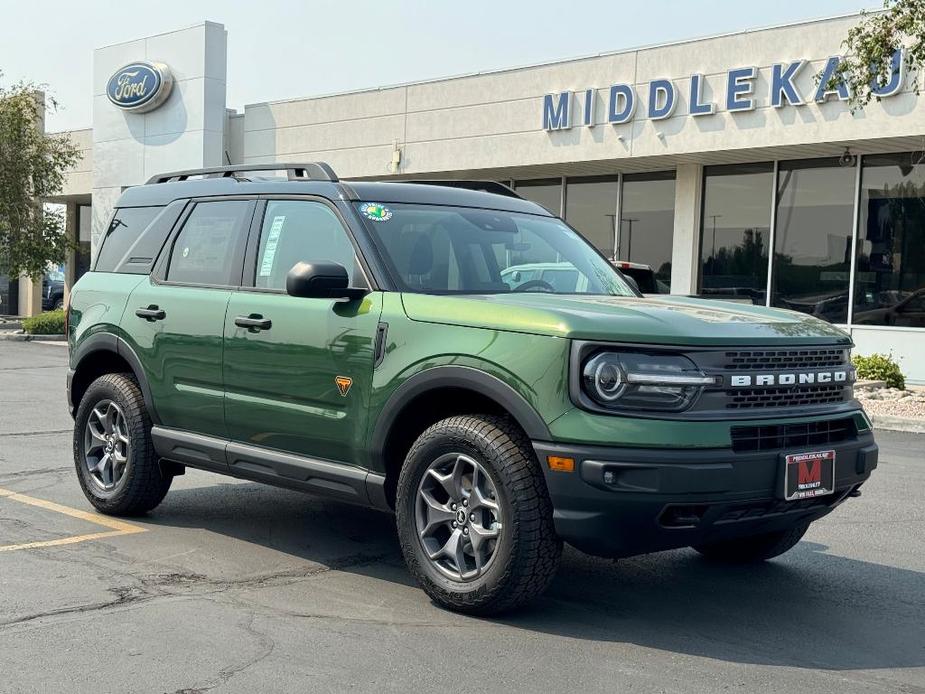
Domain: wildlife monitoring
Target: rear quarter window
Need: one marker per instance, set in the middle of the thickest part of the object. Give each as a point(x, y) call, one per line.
point(127, 247)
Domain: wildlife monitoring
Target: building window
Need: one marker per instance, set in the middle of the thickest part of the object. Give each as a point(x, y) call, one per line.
point(812, 238)
point(647, 223)
point(734, 232)
point(890, 279)
point(590, 207)
point(545, 192)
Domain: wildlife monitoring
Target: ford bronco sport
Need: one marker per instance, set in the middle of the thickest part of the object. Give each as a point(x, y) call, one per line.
point(369, 341)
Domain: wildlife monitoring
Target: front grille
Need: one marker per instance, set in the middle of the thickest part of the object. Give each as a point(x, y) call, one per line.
point(799, 396)
point(792, 436)
point(763, 360)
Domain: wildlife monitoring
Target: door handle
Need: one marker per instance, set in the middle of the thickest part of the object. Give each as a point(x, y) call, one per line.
point(152, 313)
point(253, 322)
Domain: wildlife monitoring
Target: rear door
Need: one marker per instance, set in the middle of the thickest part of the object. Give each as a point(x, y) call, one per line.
point(175, 320)
point(299, 379)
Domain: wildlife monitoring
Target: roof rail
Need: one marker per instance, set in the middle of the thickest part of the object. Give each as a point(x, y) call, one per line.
point(484, 186)
point(312, 171)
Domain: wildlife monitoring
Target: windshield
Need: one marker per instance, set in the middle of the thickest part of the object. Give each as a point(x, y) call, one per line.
point(458, 250)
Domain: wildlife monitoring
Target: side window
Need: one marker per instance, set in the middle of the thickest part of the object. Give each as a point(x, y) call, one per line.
point(204, 250)
point(124, 230)
point(296, 231)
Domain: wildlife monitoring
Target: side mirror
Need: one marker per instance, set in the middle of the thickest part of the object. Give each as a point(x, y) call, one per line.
point(321, 281)
point(631, 281)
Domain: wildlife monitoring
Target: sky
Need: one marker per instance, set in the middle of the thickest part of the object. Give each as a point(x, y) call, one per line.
point(282, 49)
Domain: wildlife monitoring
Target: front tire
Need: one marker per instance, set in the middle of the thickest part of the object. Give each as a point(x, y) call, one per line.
point(117, 467)
point(756, 548)
point(474, 517)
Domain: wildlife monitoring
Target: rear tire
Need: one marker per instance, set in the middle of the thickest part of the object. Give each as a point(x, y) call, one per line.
point(755, 548)
point(117, 467)
point(478, 472)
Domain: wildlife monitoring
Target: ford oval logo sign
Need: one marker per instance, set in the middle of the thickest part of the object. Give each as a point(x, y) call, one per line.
point(140, 87)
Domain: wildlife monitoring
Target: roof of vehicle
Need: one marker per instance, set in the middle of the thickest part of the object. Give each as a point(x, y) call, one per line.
point(162, 193)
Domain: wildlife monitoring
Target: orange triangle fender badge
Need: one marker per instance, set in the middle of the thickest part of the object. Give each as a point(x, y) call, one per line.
point(343, 384)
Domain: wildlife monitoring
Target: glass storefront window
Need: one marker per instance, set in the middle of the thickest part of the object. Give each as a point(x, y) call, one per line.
point(734, 232)
point(590, 207)
point(647, 223)
point(812, 238)
point(890, 280)
point(546, 192)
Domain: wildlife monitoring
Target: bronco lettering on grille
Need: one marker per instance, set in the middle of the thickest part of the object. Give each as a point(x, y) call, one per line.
point(788, 379)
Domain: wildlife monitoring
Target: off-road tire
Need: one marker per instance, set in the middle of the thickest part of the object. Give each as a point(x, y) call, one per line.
point(756, 548)
point(528, 550)
point(144, 486)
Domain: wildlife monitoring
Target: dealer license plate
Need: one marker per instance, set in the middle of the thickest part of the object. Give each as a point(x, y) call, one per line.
point(808, 475)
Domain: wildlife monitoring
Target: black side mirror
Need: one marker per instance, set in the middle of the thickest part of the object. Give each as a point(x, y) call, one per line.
point(321, 281)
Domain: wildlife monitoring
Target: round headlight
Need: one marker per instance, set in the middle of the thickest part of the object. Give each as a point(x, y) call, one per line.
point(604, 378)
point(632, 381)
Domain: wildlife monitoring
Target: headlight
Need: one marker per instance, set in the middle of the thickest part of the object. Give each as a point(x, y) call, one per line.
point(627, 381)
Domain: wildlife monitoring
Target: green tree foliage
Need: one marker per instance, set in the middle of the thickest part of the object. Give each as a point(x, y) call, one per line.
point(870, 46)
point(32, 168)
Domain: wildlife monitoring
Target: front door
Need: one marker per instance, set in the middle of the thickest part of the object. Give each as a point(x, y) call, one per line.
point(174, 320)
point(298, 371)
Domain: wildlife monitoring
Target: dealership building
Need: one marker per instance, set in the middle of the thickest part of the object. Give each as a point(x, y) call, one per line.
point(726, 164)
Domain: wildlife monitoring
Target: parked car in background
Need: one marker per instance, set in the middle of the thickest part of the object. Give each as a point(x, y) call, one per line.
point(894, 308)
point(643, 275)
point(53, 290)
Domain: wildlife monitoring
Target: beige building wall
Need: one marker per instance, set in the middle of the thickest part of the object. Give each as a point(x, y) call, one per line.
point(493, 122)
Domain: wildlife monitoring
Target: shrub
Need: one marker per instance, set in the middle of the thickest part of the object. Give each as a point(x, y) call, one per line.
point(48, 323)
point(879, 367)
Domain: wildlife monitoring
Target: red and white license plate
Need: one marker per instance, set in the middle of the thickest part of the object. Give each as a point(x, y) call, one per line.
point(807, 475)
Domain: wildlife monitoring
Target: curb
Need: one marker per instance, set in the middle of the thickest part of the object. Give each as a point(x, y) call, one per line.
point(890, 423)
point(10, 336)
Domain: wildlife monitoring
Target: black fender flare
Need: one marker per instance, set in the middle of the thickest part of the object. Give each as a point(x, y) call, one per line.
point(107, 342)
point(455, 377)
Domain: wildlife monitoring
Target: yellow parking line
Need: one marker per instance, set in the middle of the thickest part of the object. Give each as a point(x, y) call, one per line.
point(117, 527)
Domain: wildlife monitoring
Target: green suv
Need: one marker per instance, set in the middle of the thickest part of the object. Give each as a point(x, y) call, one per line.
point(368, 341)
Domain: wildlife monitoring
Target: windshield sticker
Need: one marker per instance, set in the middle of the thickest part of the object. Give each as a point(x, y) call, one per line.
point(376, 212)
point(269, 253)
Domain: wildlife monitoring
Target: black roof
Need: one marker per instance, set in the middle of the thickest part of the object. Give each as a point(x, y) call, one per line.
point(372, 191)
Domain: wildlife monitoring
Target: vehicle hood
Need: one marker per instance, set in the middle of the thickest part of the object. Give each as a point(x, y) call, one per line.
point(670, 320)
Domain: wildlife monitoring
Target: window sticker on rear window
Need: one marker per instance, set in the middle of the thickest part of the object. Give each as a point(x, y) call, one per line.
point(376, 212)
point(266, 267)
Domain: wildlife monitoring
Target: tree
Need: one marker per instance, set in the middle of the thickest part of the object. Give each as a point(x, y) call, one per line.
point(32, 168)
point(870, 48)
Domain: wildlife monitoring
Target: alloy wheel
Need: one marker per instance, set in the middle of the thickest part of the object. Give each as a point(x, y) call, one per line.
point(458, 516)
point(106, 445)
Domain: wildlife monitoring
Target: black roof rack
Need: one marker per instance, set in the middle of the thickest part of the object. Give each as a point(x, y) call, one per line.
point(484, 186)
point(312, 171)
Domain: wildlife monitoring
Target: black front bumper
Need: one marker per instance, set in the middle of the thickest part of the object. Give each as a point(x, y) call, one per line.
point(657, 499)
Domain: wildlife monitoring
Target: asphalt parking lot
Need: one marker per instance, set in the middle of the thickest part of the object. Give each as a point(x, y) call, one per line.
point(231, 586)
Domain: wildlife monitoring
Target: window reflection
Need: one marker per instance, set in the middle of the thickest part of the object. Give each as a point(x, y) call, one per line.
point(590, 207)
point(734, 232)
point(546, 192)
point(647, 224)
point(890, 280)
point(812, 238)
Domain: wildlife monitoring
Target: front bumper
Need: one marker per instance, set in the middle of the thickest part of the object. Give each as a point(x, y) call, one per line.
point(657, 499)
